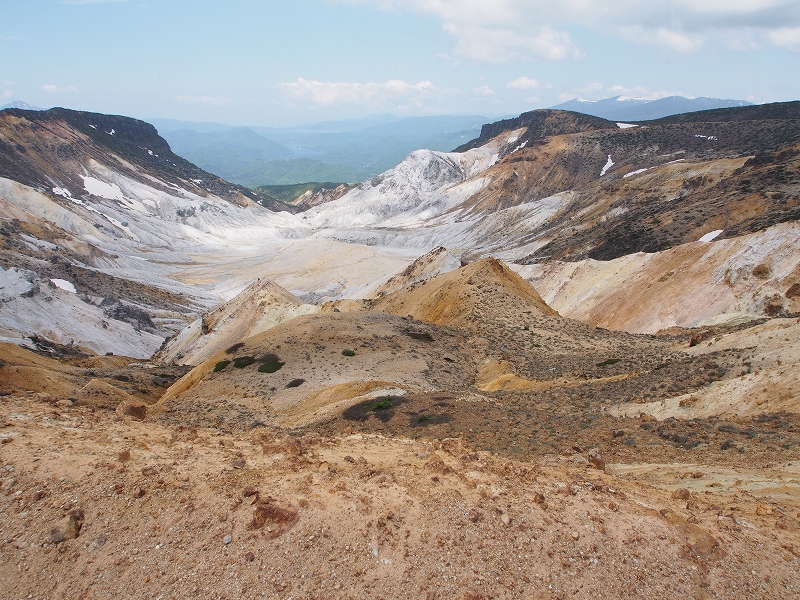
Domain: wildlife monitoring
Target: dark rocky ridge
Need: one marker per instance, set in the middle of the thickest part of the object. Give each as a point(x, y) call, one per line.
point(540, 124)
point(36, 146)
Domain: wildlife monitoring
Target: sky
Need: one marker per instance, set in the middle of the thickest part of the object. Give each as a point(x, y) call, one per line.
point(285, 62)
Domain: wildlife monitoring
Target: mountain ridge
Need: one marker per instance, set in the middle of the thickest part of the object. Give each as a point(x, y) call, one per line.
point(620, 108)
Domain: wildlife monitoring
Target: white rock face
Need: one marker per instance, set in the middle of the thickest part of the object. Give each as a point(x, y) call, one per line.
point(399, 190)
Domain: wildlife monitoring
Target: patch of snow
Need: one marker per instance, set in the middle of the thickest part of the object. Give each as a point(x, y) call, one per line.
point(109, 191)
point(710, 235)
point(63, 192)
point(609, 164)
point(150, 152)
point(112, 132)
point(65, 285)
point(626, 125)
point(93, 126)
point(710, 138)
point(632, 173)
point(37, 243)
point(15, 282)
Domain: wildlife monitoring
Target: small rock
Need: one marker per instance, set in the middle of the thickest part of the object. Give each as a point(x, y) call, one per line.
point(596, 460)
point(147, 471)
point(124, 456)
point(129, 408)
point(227, 540)
point(69, 528)
point(505, 519)
point(681, 494)
point(238, 462)
point(539, 498)
point(249, 557)
point(474, 515)
point(249, 491)
point(575, 535)
point(138, 492)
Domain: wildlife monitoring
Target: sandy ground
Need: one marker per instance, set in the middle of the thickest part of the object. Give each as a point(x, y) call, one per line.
point(161, 512)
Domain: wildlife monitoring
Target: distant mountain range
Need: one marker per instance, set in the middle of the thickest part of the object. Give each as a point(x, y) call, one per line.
point(344, 151)
point(21, 105)
point(622, 108)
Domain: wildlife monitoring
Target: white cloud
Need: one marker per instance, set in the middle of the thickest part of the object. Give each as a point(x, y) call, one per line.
point(598, 91)
point(669, 39)
point(524, 83)
point(484, 90)
point(786, 37)
point(51, 88)
point(322, 93)
point(502, 30)
point(205, 100)
point(502, 44)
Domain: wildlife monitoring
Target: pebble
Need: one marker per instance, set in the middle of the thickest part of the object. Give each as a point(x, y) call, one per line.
point(576, 536)
point(228, 539)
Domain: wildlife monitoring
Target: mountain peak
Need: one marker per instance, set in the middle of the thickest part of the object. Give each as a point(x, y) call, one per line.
point(20, 105)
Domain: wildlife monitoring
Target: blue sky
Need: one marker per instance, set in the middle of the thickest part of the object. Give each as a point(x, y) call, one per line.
point(277, 62)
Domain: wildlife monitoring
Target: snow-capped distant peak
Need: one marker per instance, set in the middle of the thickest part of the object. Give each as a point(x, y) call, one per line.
point(585, 101)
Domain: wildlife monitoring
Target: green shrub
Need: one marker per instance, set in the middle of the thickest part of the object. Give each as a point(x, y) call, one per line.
point(610, 361)
point(349, 352)
point(271, 366)
point(381, 404)
point(221, 365)
point(243, 361)
point(423, 418)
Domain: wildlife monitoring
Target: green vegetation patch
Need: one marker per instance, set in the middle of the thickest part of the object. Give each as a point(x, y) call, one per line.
point(243, 361)
point(271, 366)
point(287, 193)
point(610, 361)
point(348, 352)
point(380, 403)
point(221, 365)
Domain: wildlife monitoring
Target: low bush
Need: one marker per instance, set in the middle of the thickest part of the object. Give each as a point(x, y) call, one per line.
point(610, 361)
point(243, 361)
point(221, 365)
point(271, 366)
point(381, 403)
point(349, 352)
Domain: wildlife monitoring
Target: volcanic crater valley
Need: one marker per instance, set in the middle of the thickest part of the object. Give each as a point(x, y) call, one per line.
point(561, 361)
